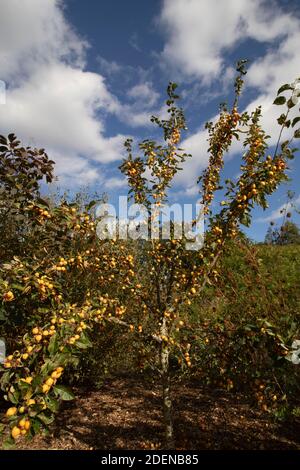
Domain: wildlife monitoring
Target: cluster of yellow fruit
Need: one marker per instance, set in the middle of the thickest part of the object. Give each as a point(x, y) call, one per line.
point(220, 139)
point(120, 310)
point(151, 157)
point(45, 285)
point(16, 359)
point(273, 167)
point(265, 398)
point(61, 265)
point(42, 335)
point(187, 359)
point(175, 136)
point(134, 170)
point(83, 223)
point(161, 162)
point(23, 425)
point(39, 333)
point(22, 428)
point(42, 213)
point(50, 381)
point(257, 146)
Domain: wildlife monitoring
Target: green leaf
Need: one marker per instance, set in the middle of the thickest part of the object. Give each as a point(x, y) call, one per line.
point(52, 404)
point(284, 87)
point(36, 426)
point(42, 202)
point(81, 345)
point(279, 100)
point(24, 387)
point(63, 392)
point(295, 120)
point(11, 137)
point(245, 220)
point(5, 378)
point(37, 381)
point(2, 314)
point(91, 204)
point(47, 367)
point(297, 134)
point(284, 145)
point(46, 418)
point(53, 344)
point(14, 397)
point(9, 443)
point(17, 286)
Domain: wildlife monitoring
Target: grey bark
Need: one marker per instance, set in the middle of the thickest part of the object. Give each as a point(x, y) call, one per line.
point(166, 386)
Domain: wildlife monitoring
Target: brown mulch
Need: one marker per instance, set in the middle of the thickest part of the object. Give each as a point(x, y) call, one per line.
point(125, 413)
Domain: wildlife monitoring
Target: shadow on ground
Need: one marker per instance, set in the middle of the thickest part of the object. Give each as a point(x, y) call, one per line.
point(126, 414)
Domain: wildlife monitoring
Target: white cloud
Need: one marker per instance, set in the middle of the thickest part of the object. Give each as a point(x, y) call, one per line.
point(143, 104)
point(145, 93)
point(75, 171)
point(197, 146)
point(200, 31)
point(57, 107)
point(115, 183)
point(280, 211)
point(51, 100)
point(34, 33)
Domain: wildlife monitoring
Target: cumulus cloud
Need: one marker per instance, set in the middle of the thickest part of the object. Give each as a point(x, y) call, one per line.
point(57, 107)
point(199, 32)
point(51, 100)
point(145, 93)
point(34, 33)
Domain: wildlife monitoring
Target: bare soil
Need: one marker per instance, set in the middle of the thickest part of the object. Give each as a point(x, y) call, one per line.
point(125, 413)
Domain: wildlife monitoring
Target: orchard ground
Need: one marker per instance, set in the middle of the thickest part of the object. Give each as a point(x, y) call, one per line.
point(125, 413)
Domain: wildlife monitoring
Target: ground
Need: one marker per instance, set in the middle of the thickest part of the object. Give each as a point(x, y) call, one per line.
point(125, 413)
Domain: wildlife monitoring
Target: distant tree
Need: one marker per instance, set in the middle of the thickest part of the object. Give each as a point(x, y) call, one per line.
point(269, 238)
point(287, 234)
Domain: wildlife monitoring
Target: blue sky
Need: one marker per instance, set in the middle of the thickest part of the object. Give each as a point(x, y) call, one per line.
point(81, 76)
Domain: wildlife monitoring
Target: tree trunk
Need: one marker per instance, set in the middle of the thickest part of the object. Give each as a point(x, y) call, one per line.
point(167, 401)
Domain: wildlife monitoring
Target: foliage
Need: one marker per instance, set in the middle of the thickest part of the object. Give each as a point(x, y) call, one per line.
point(247, 320)
point(287, 234)
point(58, 280)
